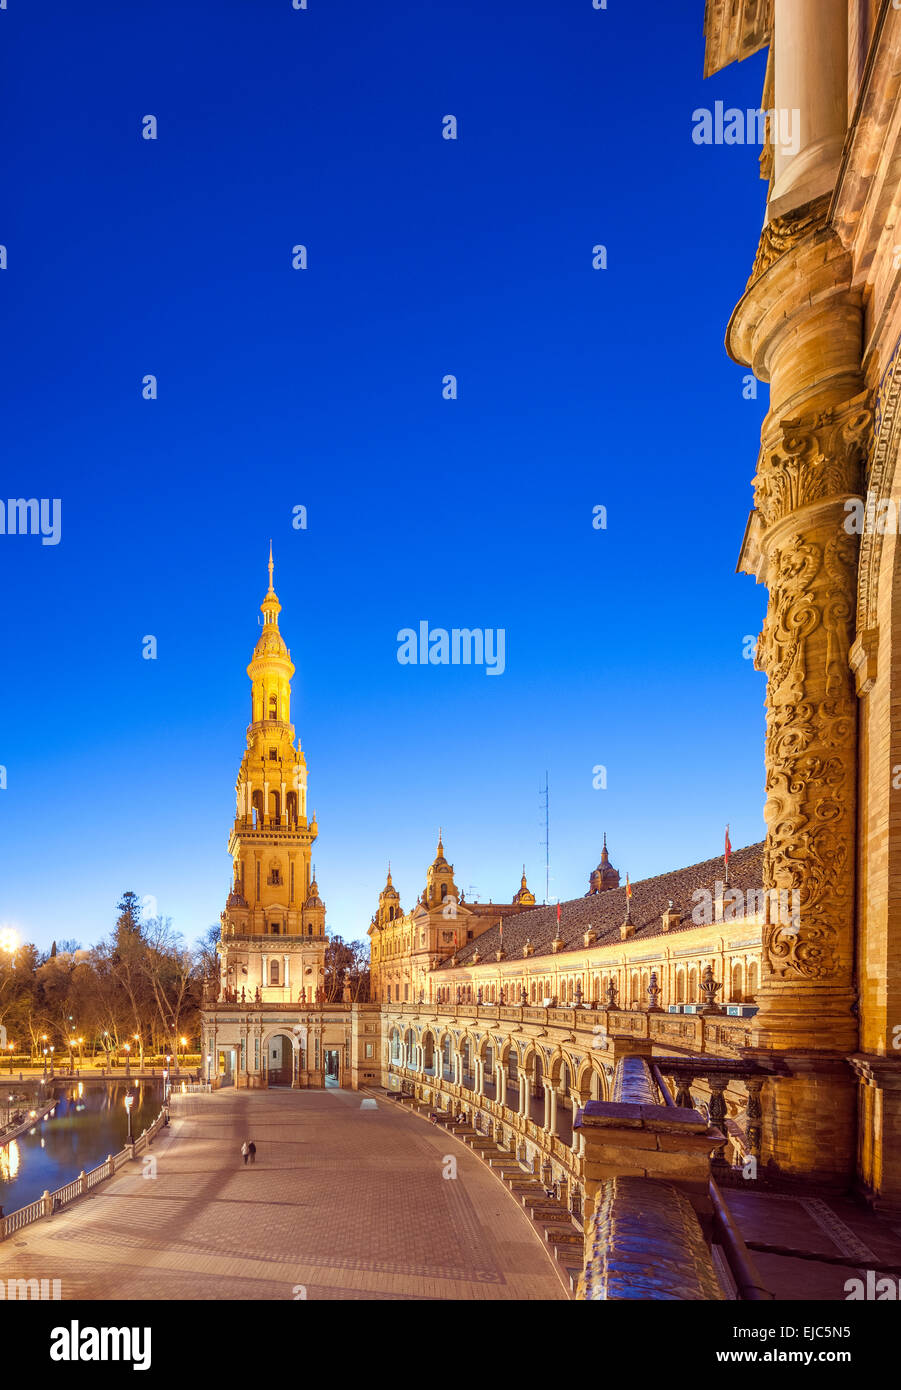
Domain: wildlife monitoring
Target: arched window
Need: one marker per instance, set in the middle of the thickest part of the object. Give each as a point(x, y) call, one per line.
point(273, 707)
point(680, 986)
point(443, 891)
point(736, 996)
point(273, 972)
point(692, 986)
point(752, 979)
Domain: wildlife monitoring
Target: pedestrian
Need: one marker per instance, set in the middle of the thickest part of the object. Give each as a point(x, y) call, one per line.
point(252, 1150)
point(245, 1151)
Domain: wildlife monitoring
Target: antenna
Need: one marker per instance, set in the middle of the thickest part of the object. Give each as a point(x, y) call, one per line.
point(543, 791)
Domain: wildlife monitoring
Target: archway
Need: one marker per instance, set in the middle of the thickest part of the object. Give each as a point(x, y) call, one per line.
point(280, 1060)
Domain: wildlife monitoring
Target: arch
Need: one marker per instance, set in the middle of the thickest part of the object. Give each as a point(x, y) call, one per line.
point(735, 995)
point(692, 986)
point(281, 1063)
point(427, 1042)
point(753, 979)
point(680, 986)
point(591, 1082)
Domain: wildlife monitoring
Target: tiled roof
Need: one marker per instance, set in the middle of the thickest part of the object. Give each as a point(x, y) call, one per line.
point(605, 912)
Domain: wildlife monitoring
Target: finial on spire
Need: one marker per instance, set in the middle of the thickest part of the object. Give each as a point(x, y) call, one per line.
point(270, 567)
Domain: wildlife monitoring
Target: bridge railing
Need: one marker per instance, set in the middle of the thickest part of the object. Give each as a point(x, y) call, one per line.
point(50, 1202)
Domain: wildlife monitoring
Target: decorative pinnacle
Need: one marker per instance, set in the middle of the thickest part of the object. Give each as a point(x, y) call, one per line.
point(271, 590)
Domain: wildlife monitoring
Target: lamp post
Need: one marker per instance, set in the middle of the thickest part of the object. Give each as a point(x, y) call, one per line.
point(209, 1066)
point(128, 1059)
point(137, 1039)
point(51, 1061)
point(10, 1046)
point(184, 1043)
point(166, 1079)
point(129, 1102)
point(45, 1064)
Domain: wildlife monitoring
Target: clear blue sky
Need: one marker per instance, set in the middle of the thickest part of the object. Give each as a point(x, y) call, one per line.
point(322, 387)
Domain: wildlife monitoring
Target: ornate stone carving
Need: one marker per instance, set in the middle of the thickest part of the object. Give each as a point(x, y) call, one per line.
point(881, 467)
point(811, 460)
point(783, 233)
point(811, 714)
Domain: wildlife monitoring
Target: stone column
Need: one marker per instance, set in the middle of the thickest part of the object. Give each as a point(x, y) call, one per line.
point(810, 53)
point(799, 327)
point(500, 1075)
point(550, 1123)
point(547, 1107)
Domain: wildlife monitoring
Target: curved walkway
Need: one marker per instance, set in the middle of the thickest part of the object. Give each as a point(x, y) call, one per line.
point(344, 1202)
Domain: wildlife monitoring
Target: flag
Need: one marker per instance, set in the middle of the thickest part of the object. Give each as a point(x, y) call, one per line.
point(728, 849)
point(628, 887)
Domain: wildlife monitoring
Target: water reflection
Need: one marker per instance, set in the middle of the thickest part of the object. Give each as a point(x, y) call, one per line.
point(89, 1122)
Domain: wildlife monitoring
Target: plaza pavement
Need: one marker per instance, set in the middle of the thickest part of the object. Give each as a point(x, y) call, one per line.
point(344, 1202)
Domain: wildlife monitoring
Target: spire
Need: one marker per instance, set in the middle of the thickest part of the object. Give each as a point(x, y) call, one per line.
point(439, 853)
point(270, 607)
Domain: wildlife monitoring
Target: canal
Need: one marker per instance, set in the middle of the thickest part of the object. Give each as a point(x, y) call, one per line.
point(88, 1123)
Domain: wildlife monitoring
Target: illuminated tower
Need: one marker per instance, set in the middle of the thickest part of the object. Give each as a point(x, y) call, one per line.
point(273, 929)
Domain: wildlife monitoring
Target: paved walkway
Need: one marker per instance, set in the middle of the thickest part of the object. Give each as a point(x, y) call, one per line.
point(343, 1202)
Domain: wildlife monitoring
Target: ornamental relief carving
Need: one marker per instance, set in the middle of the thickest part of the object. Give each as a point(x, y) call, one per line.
point(811, 716)
point(810, 460)
point(784, 233)
point(881, 469)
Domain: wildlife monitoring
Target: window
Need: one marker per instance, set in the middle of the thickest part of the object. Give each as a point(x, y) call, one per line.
point(273, 709)
point(406, 993)
point(273, 972)
point(368, 1049)
point(276, 928)
point(275, 876)
point(273, 755)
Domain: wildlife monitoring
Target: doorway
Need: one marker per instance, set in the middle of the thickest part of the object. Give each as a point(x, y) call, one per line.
point(332, 1066)
point(280, 1060)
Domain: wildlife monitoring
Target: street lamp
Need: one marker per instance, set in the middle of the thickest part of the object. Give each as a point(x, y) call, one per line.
point(10, 1046)
point(166, 1078)
point(184, 1043)
point(209, 1066)
point(129, 1102)
point(127, 1059)
point(45, 1063)
point(51, 1061)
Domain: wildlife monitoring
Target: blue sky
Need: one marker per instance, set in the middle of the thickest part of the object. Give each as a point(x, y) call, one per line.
point(323, 387)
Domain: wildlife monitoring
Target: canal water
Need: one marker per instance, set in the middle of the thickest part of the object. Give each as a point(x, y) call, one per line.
point(89, 1122)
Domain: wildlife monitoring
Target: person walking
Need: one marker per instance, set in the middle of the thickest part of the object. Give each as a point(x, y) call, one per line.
point(245, 1151)
point(252, 1150)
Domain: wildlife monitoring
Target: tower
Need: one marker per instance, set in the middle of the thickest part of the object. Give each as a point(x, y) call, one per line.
point(604, 878)
point(272, 947)
point(439, 880)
